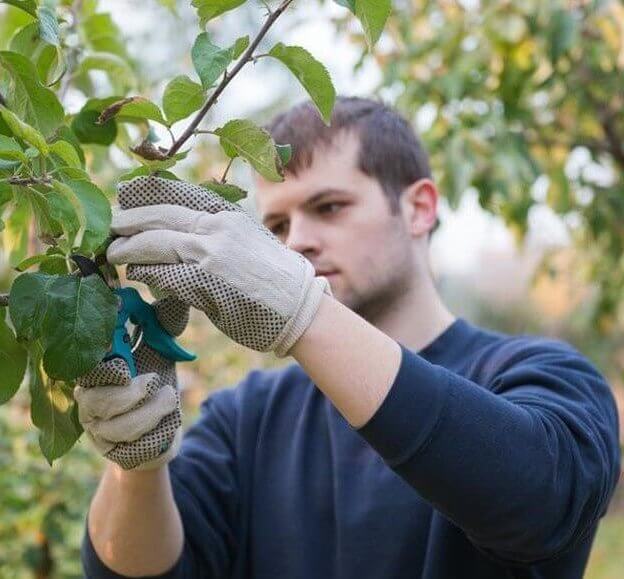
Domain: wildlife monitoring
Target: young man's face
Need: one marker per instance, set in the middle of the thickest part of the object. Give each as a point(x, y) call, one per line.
point(340, 220)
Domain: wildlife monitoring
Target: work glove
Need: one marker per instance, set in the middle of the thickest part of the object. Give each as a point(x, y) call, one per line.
point(135, 422)
point(188, 242)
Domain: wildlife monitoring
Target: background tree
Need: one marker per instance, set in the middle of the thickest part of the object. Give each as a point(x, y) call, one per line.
point(522, 102)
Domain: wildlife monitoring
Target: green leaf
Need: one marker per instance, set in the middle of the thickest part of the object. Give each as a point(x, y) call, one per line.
point(144, 171)
point(373, 14)
point(285, 153)
point(28, 98)
point(28, 303)
point(350, 4)
point(311, 74)
point(209, 60)
point(102, 35)
point(66, 152)
point(78, 325)
point(182, 98)
point(10, 149)
point(563, 28)
point(48, 24)
point(24, 131)
point(15, 233)
point(133, 108)
point(239, 47)
point(209, 9)
point(242, 138)
point(38, 260)
point(47, 226)
point(64, 210)
point(29, 6)
point(13, 358)
point(88, 131)
point(52, 411)
point(229, 192)
point(96, 213)
point(68, 135)
point(119, 72)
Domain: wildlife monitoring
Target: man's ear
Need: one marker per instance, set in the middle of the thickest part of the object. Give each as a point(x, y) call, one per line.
point(419, 205)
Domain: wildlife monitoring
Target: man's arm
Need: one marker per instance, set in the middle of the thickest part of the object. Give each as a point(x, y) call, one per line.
point(526, 469)
point(353, 363)
point(176, 521)
point(134, 522)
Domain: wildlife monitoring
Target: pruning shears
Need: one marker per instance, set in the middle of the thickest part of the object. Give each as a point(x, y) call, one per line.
point(132, 307)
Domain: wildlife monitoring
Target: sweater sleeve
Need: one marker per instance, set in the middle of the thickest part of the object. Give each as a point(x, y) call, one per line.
point(524, 464)
point(205, 488)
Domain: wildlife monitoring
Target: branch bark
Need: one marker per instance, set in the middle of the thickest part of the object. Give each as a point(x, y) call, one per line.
point(228, 77)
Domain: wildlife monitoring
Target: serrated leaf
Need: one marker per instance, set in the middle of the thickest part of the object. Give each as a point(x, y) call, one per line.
point(229, 192)
point(66, 152)
point(135, 108)
point(182, 98)
point(209, 9)
point(96, 213)
point(52, 411)
point(373, 14)
point(88, 131)
point(242, 138)
point(28, 98)
point(13, 359)
point(29, 6)
point(10, 149)
point(24, 131)
point(28, 303)
point(311, 74)
point(78, 326)
point(48, 24)
point(209, 60)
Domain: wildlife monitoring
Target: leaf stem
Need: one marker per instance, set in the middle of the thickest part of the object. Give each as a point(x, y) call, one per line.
point(227, 170)
point(228, 76)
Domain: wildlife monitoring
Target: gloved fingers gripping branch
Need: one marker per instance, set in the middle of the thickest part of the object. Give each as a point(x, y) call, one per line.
point(253, 288)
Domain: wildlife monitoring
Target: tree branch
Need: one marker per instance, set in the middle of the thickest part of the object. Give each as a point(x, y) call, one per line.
point(227, 77)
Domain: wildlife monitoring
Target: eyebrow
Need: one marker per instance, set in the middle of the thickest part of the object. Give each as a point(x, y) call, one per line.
point(311, 201)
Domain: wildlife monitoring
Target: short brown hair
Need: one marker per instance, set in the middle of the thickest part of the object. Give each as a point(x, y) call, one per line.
point(390, 150)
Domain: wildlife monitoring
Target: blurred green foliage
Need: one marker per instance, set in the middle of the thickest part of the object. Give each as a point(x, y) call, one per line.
point(522, 101)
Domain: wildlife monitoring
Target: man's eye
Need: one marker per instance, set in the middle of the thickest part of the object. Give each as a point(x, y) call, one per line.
point(277, 229)
point(329, 207)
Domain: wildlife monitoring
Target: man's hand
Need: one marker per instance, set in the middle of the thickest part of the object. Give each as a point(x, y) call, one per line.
point(135, 422)
point(188, 242)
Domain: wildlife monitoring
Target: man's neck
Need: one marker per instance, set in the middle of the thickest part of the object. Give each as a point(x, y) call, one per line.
point(416, 318)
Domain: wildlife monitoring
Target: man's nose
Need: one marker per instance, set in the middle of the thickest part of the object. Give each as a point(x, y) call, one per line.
point(303, 236)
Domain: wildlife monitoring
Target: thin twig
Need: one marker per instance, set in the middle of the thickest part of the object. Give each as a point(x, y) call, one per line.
point(227, 77)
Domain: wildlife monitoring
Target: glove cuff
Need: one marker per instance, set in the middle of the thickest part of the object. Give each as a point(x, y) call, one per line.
point(306, 312)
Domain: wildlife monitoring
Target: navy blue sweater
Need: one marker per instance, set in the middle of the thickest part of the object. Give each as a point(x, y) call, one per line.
point(491, 457)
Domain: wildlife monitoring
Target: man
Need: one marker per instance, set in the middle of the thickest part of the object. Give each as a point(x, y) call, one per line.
point(404, 443)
